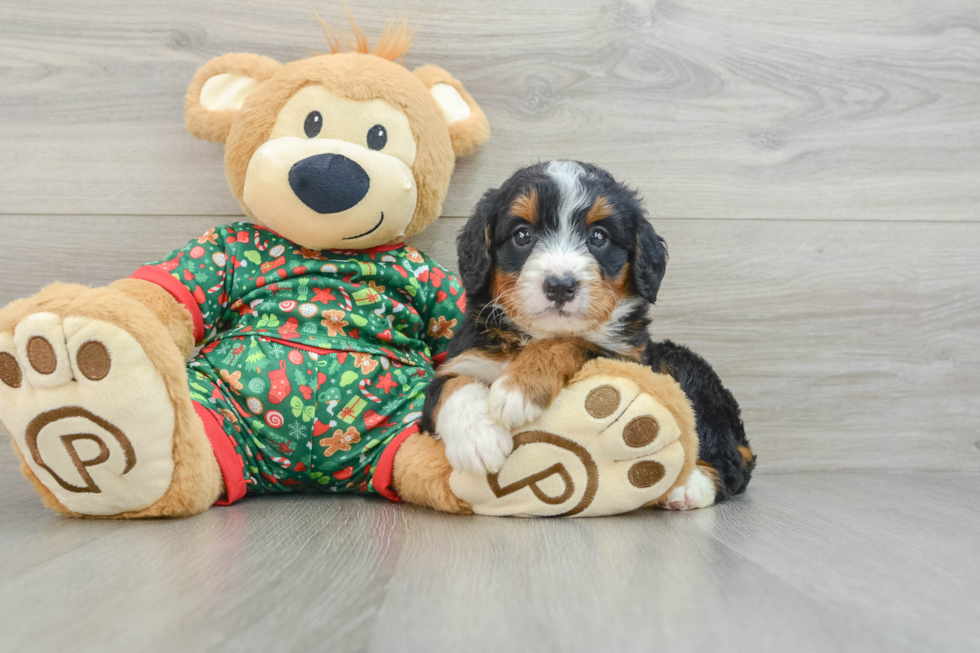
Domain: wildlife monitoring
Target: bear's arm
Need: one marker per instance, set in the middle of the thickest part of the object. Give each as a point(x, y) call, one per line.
point(199, 277)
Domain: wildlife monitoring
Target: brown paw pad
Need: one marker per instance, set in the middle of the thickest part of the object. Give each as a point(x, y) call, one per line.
point(641, 431)
point(646, 473)
point(93, 360)
point(41, 356)
point(602, 401)
point(10, 372)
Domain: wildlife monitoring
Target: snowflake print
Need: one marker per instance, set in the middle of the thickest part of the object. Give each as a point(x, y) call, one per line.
point(297, 431)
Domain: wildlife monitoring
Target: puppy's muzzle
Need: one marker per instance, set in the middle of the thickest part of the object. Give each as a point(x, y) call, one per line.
point(560, 289)
point(329, 183)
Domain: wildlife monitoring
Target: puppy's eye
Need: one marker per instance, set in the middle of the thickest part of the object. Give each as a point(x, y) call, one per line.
point(598, 237)
point(377, 137)
point(313, 124)
point(522, 237)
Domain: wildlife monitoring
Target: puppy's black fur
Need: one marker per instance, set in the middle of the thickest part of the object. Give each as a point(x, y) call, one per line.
point(721, 434)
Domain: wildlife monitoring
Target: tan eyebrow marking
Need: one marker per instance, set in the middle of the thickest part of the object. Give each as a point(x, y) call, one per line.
point(600, 209)
point(526, 206)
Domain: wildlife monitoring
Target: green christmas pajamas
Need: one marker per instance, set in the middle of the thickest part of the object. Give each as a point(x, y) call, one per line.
point(314, 363)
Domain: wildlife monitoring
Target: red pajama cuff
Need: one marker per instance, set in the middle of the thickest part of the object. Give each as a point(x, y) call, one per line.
point(224, 452)
point(384, 471)
point(180, 293)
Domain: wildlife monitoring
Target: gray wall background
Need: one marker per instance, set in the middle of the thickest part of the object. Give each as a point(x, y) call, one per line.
point(814, 167)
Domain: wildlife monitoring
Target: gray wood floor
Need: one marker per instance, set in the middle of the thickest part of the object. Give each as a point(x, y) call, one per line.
point(836, 561)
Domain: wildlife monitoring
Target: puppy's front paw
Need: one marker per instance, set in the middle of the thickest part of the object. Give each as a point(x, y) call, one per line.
point(510, 406)
point(474, 443)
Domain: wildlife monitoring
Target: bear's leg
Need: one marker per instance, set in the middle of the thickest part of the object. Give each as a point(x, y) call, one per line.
point(93, 390)
point(421, 475)
point(616, 438)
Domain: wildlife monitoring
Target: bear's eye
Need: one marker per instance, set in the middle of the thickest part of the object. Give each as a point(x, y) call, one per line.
point(313, 124)
point(377, 137)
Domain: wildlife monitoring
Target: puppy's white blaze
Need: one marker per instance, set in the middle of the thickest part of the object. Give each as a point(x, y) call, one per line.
point(553, 257)
point(574, 197)
point(473, 441)
point(485, 369)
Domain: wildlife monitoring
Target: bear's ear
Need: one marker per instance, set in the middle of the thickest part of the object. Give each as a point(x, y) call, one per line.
point(468, 127)
point(218, 89)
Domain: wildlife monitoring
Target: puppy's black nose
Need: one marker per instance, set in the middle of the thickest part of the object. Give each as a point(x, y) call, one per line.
point(329, 183)
point(560, 289)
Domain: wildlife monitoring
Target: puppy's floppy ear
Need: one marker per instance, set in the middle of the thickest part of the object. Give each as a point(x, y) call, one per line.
point(649, 260)
point(468, 126)
point(218, 89)
point(473, 248)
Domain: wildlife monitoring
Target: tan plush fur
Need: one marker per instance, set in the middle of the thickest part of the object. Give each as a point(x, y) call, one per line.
point(421, 475)
point(667, 391)
point(469, 134)
point(215, 125)
point(171, 313)
point(164, 328)
point(196, 482)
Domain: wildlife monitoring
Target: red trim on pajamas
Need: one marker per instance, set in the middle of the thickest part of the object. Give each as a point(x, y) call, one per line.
point(224, 452)
point(310, 348)
point(178, 290)
point(383, 472)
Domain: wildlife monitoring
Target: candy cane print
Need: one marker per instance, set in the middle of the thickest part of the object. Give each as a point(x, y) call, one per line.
point(367, 394)
point(349, 306)
point(261, 245)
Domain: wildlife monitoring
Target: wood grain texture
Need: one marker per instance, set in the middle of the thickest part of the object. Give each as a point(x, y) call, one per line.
point(755, 109)
point(805, 562)
point(849, 346)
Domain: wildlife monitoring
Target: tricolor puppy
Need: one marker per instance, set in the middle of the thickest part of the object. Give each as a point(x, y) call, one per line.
point(561, 266)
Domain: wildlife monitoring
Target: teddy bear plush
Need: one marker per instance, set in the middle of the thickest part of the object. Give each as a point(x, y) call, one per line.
point(318, 328)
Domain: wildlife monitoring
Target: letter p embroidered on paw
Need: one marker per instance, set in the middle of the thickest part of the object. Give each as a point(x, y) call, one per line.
point(605, 446)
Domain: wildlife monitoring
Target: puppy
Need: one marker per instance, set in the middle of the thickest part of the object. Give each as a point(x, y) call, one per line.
point(561, 266)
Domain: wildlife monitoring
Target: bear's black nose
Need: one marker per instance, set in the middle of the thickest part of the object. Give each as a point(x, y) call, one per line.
point(329, 183)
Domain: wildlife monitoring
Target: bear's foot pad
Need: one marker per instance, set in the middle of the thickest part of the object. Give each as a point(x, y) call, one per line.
point(603, 447)
point(88, 411)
